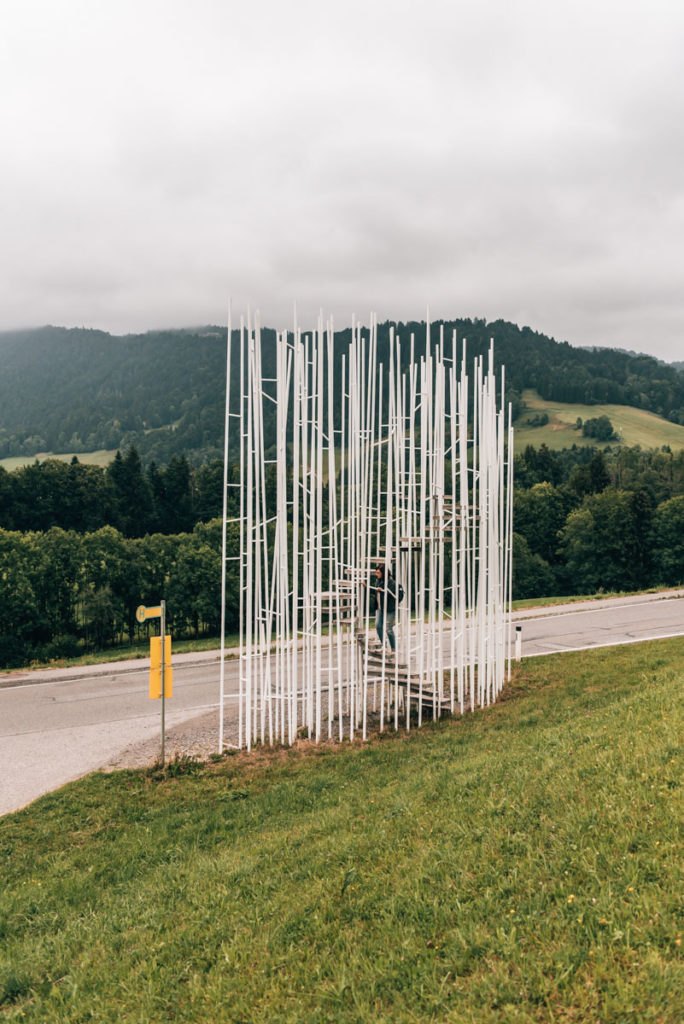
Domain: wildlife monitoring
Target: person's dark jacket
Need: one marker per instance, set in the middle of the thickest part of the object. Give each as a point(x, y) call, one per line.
point(378, 588)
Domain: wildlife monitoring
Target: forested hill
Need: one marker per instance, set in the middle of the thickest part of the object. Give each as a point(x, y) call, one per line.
point(80, 390)
point(76, 390)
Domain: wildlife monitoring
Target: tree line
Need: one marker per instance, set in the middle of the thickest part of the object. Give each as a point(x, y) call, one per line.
point(586, 521)
point(161, 499)
point(64, 592)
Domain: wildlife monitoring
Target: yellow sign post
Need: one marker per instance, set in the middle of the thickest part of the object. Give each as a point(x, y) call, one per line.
point(161, 672)
point(142, 613)
point(156, 667)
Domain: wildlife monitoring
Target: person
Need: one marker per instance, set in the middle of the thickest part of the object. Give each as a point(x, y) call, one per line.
point(384, 592)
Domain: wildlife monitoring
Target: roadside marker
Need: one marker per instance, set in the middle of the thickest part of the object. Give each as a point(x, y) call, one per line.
point(161, 672)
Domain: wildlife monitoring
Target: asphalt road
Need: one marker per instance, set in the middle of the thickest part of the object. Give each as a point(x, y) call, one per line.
point(59, 724)
point(600, 623)
point(56, 725)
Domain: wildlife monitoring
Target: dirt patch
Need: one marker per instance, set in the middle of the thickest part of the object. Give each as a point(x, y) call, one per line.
point(197, 739)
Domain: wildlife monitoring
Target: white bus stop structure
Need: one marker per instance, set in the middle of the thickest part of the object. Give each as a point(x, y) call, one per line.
point(405, 462)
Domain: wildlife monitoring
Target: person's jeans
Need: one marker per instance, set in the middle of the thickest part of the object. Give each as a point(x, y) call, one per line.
point(390, 627)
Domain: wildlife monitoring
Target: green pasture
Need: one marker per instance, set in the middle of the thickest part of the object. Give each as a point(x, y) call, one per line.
point(519, 864)
point(638, 426)
point(102, 457)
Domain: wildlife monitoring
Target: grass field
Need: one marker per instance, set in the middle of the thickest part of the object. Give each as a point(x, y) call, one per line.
point(548, 602)
point(637, 425)
point(520, 864)
point(99, 458)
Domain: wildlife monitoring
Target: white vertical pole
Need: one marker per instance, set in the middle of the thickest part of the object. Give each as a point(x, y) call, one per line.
point(455, 559)
point(244, 584)
point(397, 434)
point(249, 529)
point(224, 552)
point(320, 426)
point(412, 528)
point(509, 528)
point(296, 430)
point(345, 451)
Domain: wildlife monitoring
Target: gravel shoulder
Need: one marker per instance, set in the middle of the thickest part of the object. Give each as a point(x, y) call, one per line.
point(197, 738)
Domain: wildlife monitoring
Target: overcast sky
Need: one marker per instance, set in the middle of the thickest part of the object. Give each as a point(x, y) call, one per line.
point(521, 159)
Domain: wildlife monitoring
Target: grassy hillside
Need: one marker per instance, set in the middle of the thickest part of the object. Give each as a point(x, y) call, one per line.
point(521, 864)
point(637, 425)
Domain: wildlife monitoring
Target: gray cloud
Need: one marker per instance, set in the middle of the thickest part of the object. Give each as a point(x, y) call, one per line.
point(506, 160)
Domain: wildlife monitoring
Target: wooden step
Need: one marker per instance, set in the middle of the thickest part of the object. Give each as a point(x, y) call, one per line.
point(397, 673)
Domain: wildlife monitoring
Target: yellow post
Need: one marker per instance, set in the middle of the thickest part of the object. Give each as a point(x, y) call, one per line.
point(161, 673)
point(155, 668)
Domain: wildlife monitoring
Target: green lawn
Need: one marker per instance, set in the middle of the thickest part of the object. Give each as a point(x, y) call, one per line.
point(102, 457)
point(637, 425)
point(548, 602)
point(521, 864)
